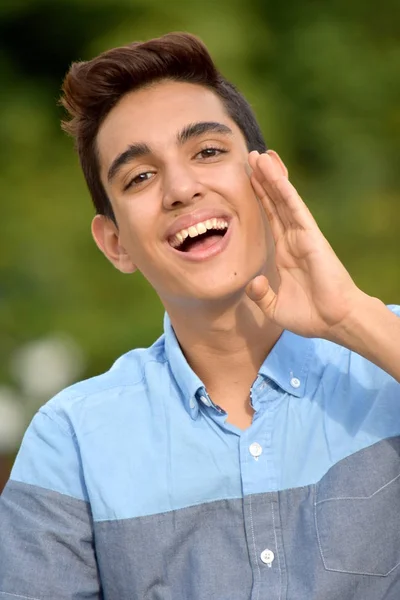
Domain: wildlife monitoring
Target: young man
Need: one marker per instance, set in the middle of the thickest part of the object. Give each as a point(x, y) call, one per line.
point(253, 450)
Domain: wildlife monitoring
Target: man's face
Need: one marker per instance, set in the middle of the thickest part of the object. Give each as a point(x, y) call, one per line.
point(174, 165)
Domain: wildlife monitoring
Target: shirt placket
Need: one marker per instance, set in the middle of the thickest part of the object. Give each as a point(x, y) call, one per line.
point(261, 508)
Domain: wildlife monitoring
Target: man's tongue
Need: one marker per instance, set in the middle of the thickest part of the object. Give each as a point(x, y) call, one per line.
point(203, 243)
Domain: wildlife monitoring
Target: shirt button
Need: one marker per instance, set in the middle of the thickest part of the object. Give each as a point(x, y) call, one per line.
point(267, 556)
point(255, 449)
point(205, 400)
point(294, 382)
point(192, 402)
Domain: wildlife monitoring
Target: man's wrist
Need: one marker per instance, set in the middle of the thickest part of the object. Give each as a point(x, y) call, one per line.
point(358, 328)
point(372, 331)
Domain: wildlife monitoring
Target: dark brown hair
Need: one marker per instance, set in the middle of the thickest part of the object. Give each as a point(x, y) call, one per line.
point(91, 89)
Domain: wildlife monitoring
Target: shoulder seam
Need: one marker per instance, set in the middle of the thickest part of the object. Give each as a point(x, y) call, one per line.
point(45, 410)
point(75, 396)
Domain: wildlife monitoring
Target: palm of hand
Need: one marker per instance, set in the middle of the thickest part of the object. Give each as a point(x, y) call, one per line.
point(316, 292)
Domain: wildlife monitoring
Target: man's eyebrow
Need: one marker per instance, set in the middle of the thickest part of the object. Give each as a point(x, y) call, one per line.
point(133, 151)
point(197, 129)
point(140, 149)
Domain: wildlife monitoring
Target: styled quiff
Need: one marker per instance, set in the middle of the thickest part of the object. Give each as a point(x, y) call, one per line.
point(92, 88)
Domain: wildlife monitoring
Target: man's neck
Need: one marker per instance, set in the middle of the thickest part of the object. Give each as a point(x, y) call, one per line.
point(225, 347)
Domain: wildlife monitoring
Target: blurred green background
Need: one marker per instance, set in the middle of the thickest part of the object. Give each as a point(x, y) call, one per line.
point(324, 81)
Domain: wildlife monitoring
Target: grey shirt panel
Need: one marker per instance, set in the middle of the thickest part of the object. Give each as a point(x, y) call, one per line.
point(46, 542)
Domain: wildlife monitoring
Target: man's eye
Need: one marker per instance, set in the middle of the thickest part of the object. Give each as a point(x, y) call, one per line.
point(211, 152)
point(138, 179)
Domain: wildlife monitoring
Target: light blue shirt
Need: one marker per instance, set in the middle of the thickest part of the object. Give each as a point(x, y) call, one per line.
point(133, 485)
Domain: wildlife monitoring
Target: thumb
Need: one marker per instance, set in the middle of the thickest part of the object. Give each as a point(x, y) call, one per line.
point(262, 294)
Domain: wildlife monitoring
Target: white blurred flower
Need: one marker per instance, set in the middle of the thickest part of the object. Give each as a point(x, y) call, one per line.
point(43, 367)
point(12, 420)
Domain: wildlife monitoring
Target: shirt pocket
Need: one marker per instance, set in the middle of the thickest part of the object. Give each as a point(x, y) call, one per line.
point(357, 512)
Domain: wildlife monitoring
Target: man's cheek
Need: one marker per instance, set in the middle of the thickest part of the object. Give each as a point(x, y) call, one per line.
point(235, 177)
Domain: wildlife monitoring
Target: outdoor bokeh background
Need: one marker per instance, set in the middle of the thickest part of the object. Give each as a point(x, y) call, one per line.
point(324, 81)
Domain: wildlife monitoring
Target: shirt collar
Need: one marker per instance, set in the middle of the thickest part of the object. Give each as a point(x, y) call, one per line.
point(287, 365)
point(189, 383)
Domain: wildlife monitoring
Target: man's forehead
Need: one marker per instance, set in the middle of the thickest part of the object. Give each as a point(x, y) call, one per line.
point(155, 114)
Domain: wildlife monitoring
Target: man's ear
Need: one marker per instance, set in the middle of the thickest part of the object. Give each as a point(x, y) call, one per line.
point(278, 162)
point(106, 235)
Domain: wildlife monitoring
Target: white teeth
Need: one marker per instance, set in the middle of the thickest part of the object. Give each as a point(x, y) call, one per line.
point(197, 229)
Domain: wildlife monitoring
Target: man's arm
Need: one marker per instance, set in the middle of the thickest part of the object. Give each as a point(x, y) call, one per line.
point(316, 296)
point(46, 534)
point(373, 331)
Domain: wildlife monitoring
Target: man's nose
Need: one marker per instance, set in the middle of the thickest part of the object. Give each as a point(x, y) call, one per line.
point(181, 186)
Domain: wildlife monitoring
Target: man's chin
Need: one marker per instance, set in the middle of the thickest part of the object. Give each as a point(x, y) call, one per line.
point(218, 294)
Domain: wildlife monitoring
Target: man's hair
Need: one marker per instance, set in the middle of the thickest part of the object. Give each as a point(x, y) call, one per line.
point(92, 88)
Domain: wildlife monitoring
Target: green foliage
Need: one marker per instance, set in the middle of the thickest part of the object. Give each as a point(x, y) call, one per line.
point(324, 82)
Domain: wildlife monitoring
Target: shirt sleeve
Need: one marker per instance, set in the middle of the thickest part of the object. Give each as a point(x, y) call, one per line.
point(46, 533)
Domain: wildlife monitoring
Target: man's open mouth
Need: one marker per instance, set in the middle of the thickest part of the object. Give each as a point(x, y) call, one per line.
point(201, 236)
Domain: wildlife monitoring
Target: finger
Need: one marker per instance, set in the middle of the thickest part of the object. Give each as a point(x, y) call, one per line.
point(269, 168)
point(268, 175)
point(287, 195)
point(262, 294)
point(252, 159)
point(278, 162)
point(264, 169)
point(284, 195)
point(269, 208)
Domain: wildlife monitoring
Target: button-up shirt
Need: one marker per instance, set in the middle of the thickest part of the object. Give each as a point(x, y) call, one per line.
point(133, 485)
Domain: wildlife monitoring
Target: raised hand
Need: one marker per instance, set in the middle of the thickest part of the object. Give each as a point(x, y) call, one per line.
point(316, 293)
